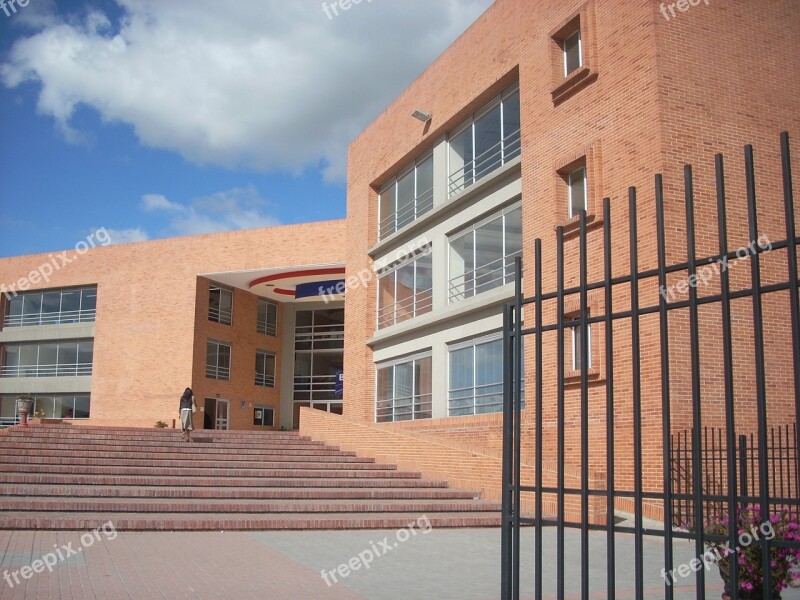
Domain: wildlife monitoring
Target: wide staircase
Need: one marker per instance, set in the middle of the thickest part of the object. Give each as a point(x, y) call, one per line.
point(72, 477)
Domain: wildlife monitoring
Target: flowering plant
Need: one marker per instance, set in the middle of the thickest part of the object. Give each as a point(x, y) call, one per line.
point(783, 525)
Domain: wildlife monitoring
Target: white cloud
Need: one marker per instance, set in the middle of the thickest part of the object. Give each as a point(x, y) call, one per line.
point(262, 84)
point(126, 236)
point(239, 208)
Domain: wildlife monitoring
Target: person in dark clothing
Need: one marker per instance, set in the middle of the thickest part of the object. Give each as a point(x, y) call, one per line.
point(187, 407)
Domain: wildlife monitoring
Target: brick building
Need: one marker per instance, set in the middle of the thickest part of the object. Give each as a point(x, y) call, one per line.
point(538, 111)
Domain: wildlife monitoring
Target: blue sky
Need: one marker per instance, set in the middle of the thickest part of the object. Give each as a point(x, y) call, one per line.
point(158, 118)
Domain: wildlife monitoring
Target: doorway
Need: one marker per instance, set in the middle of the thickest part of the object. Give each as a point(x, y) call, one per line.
point(216, 413)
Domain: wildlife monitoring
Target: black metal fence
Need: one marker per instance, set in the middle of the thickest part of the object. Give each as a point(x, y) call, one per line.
point(760, 487)
point(782, 462)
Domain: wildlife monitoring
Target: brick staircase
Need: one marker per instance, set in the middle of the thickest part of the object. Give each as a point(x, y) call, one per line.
point(72, 477)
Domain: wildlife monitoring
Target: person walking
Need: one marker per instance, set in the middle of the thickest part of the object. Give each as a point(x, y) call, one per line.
point(187, 407)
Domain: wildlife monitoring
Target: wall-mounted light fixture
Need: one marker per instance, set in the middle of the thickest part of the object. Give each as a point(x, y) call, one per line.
point(422, 115)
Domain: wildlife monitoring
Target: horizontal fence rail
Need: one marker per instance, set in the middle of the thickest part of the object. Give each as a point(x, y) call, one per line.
point(696, 475)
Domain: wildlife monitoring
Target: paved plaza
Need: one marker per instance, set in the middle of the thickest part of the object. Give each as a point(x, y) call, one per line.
point(457, 564)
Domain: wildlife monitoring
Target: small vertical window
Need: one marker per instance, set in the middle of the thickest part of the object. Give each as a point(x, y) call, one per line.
point(220, 305)
point(265, 369)
point(267, 317)
point(576, 183)
point(573, 57)
point(263, 416)
point(577, 340)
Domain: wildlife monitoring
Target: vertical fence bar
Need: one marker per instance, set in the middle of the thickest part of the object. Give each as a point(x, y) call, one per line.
point(743, 465)
point(560, 411)
point(516, 389)
point(727, 357)
point(761, 385)
point(694, 343)
point(505, 533)
point(584, 333)
point(637, 396)
point(791, 255)
point(610, 485)
point(539, 417)
point(666, 416)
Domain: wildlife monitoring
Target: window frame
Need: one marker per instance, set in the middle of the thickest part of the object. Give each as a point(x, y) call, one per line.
point(41, 318)
point(268, 328)
point(472, 343)
point(472, 229)
point(567, 38)
point(420, 198)
point(219, 316)
point(216, 367)
point(507, 151)
point(267, 380)
point(576, 331)
point(411, 359)
point(569, 175)
point(264, 408)
point(391, 271)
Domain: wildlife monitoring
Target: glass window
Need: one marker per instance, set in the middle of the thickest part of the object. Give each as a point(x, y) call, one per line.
point(406, 197)
point(265, 369)
point(404, 390)
point(51, 307)
point(319, 353)
point(482, 256)
point(218, 360)
point(405, 291)
point(573, 58)
point(576, 347)
point(66, 358)
point(576, 182)
point(263, 416)
point(267, 317)
point(220, 305)
point(476, 377)
point(488, 140)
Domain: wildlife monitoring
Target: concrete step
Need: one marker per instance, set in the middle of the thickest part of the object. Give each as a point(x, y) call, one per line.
point(265, 493)
point(222, 461)
point(244, 521)
point(179, 469)
point(74, 477)
point(206, 505)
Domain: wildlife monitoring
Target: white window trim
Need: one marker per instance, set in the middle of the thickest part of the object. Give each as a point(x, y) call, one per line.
point(585, 189)
point(392, 182)
point(393, 362)
point(469, 343)
point(580, 50)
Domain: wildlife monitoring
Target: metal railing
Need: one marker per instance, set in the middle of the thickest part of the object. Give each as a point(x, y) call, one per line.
point(219, 315)
point(264, 380)
point(216, 372)
point(409, 213)
point(487, 161)
point(312, 334)
point(405, 309)
point(404, 408)
point(50, 318)
point(484, 278)
point(69, 370)
point(267, 328)
point(315, 385)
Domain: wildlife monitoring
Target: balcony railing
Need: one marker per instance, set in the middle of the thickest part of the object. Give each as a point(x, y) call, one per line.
point(221, 373)
point(487, 161)
point(220, 315)
point(405, 408)
point(486, 277)
point(50, 318)
point(265, 380)
point(405, 309)
point(267, 328)
point(331, 336)
point(409, 213)
point(313, 387)
point(73, 370)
